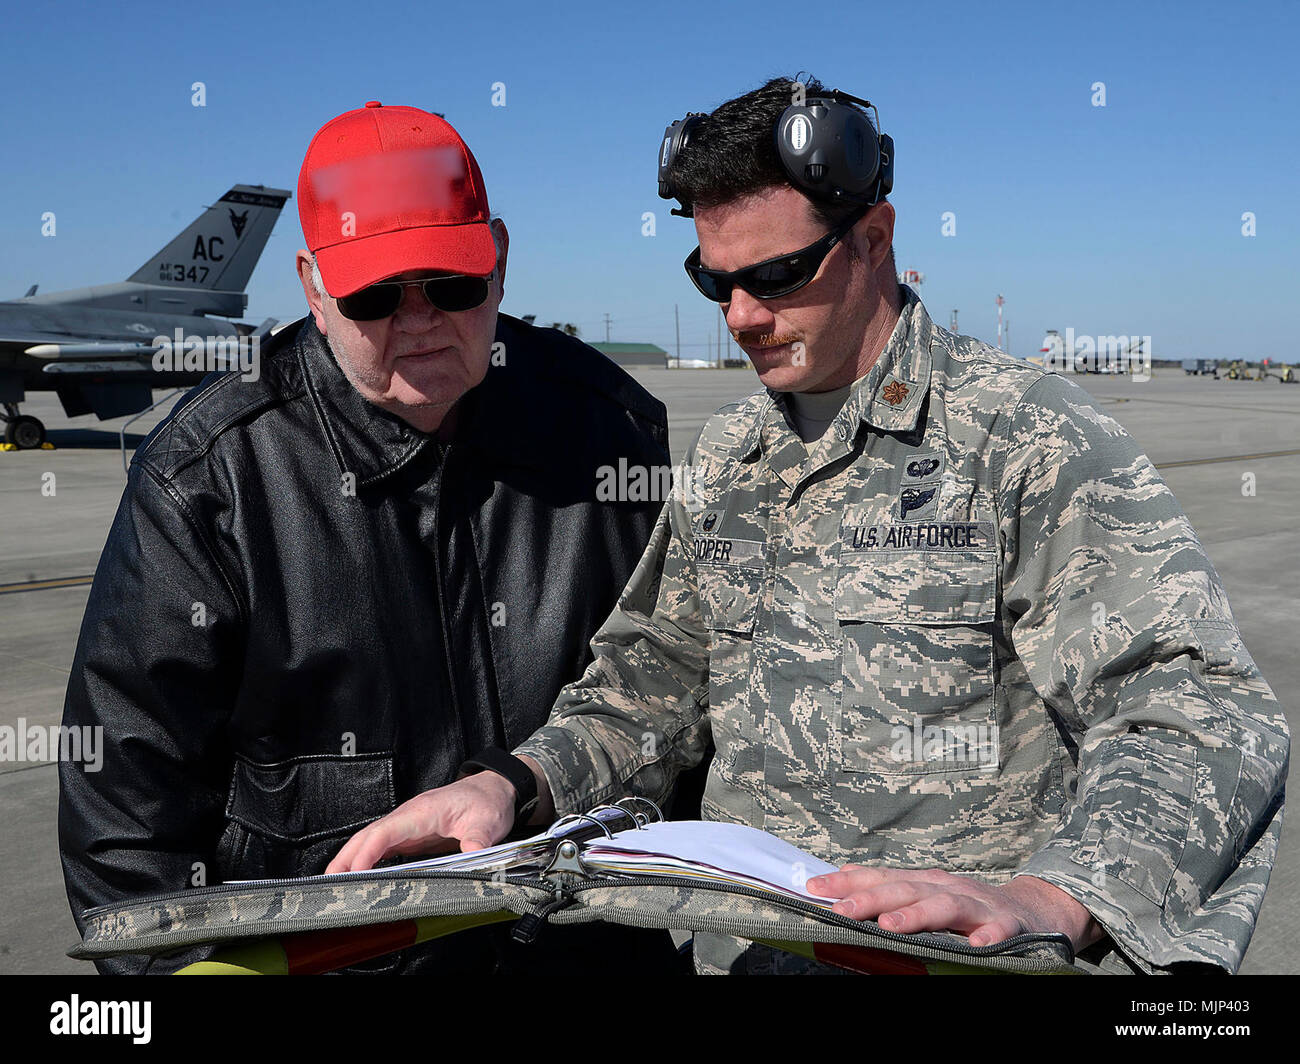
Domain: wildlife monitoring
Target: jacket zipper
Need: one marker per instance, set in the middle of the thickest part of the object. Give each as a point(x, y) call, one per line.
point(444, 456)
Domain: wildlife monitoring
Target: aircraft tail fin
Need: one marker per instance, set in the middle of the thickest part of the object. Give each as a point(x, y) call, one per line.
point(220, 248)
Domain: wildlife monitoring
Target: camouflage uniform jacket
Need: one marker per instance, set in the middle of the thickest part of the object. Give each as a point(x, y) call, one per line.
point(970, 628)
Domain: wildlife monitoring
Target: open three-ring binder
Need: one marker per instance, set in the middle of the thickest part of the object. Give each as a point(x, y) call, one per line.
point(620, 863)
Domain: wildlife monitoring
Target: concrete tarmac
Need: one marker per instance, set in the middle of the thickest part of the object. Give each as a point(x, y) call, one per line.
point(1210, 438)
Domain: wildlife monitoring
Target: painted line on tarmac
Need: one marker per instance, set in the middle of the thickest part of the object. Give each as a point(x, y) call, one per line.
point(1198, 406)
point(1228, 458)
point(26, 767)
point(45, 585)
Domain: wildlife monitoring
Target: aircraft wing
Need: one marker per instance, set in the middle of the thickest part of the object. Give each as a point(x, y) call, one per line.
point(28, 339)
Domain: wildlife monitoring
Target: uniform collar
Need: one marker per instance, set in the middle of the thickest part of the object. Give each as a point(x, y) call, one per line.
point(888, 398)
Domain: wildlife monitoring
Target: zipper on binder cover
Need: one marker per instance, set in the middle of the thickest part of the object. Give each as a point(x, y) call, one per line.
point(530, 925)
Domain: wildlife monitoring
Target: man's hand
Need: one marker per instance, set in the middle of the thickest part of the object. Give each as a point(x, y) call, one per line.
point(906, 900)
point(475, 812)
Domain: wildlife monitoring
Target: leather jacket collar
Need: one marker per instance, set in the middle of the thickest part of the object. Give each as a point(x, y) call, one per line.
point(374, 443)
point(366, 440)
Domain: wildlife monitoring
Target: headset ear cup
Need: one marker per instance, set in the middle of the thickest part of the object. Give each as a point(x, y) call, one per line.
point(861, 153)
point(886, 166)
point(674, 140)
point(830, 151)
point(793, 135)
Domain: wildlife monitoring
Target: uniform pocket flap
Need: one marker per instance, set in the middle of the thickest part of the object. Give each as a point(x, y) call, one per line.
point(311, 797)
point(950, 587)
point(729, 599)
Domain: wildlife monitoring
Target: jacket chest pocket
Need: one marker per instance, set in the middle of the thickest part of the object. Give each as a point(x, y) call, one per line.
point(729, 599)
point(289, 818)
point(918, 684)
point(729, 603)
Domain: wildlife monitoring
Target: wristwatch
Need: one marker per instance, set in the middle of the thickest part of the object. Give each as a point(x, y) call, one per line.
point(494, 759)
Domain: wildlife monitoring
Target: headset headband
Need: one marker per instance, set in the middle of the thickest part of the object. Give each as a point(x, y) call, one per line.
point(826, 144)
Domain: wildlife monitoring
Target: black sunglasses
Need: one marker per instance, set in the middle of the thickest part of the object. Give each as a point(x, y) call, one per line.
point(771, 277)
point(449, 293)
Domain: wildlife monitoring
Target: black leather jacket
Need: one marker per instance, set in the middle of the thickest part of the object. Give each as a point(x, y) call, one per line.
point(307, 612)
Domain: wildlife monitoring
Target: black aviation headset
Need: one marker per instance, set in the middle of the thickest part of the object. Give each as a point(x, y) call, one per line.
point(830, 153)
point(827, 146)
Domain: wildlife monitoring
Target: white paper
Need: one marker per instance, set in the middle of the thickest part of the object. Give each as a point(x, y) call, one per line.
point(730, 848)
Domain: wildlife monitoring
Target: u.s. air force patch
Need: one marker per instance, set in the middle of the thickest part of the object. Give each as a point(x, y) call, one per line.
point(921, 536)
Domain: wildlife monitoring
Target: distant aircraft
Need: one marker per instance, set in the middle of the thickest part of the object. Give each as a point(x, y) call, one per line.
point(1087, 354)
point(96, 346)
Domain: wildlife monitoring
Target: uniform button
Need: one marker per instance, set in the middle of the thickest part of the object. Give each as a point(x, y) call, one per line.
point(373, 103)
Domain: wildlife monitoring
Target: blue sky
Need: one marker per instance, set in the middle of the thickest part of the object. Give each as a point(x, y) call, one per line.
point(1123, 219)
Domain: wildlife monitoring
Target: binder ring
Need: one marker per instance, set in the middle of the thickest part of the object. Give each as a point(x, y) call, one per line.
point(587, 816)
point(620, 810)
point(641, 818)
point(563, 822)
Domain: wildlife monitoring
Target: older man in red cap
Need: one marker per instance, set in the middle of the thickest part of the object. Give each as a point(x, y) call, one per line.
point(363, 575)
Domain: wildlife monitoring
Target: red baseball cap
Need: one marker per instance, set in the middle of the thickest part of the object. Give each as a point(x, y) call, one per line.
point(384, 190)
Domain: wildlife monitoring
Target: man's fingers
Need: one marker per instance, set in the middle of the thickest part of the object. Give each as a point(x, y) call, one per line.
point(853, 879)
point(407, 829)
point(906, 901)
point(869, 903)
point(472, 812)
point(364, 849)
point(370, 850)
point(848, 879)
point(998, 929)
point(938, 911)
point(343, 859)
point(945, 911)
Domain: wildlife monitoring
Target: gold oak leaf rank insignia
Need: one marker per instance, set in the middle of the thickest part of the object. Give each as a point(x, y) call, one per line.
point(894, 392)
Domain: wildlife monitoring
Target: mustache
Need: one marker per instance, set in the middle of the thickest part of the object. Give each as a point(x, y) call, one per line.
point(757, 339)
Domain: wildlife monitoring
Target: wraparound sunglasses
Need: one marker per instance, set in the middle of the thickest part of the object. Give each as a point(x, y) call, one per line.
point(771, 277)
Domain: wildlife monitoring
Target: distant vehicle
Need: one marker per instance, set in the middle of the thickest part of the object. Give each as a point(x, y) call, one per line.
point(1197, 366)
point(1239, 370)
point(1277, 370)
point(95, 346)
point(691, 363)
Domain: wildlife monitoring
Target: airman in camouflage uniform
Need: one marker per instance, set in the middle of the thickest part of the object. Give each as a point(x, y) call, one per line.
point(969, 629)
point(965, 636)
